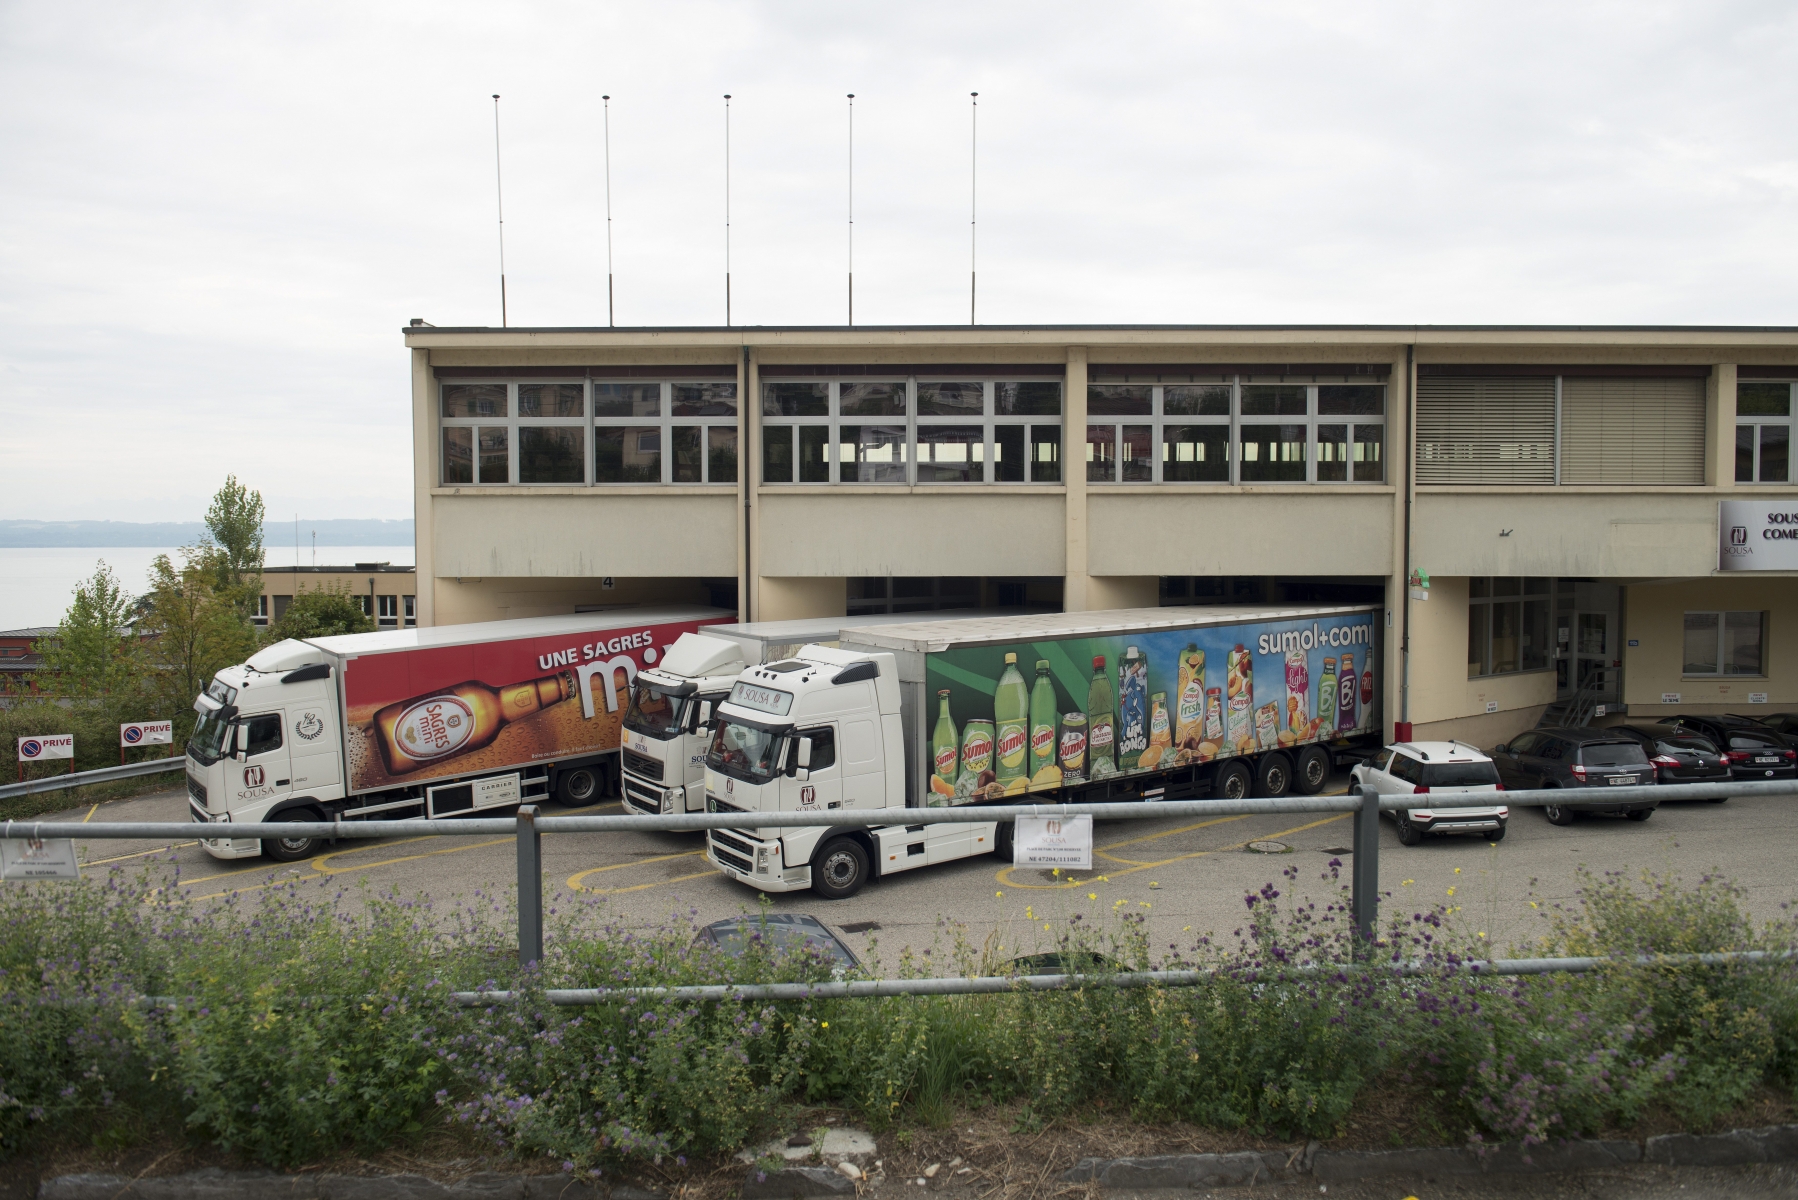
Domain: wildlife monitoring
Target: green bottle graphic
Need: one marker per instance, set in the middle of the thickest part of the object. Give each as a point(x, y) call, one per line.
point(945, 751)
point(1101, 724)
point(1043, 720)
point(1011, 714)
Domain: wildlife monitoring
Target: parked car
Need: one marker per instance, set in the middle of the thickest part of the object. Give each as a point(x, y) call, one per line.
point(1782, 723)
point(783, 932)
point(1065, 962)
point(1582, 759)
point(1436, 769)
point(1752, 749)
point(1678, 755)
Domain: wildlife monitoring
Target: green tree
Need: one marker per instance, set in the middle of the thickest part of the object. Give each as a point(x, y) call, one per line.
point(234, 522)
point(322, 612)
point(94, 654)
point(194, 626)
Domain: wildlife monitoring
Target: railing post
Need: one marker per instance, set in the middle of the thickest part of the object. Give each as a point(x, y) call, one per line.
point(530, 888)
point(1365, 872)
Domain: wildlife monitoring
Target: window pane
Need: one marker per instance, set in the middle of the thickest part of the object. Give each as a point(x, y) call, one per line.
point(494, 466)
point(627, 454)
point(474, 399)
point(1506, 620)
point(1535, 585)
point(550, 400)
point(1101, 453)
point(1273, 453)
point(1261, 400)
point(1027, 399)
point(1701, 643)
point(1357, 401)
point(1509, 585)
point(796, 399)
point(1138, 454)
point(777, 454)
point(1535, 635)
point(1008, 453)
point(686, 466)
point(627, 399)
point(952, 454)
point(814, 450)
point(1742, 643)
point(721, 449)
point(1119, 400)
point(1764, 399)
point(871, 399)
point(551, 454)
point(1775, 449)
point(1479, 586)
point(1370, 453)
point(871, 454)
point(951, 399)
point(1211, 400)
point(1195, 454)
point(1045, 453)
point(458, 455)
point(1332, 453)
point(705, 399)
point(1745, 453)
point(1479, 618)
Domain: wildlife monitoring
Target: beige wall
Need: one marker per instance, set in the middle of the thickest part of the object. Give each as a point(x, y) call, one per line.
point(1566, 531)
point(841, 532)
point(1655, 618)
point(1123, 591)
point(502, 599)
point(1440, 688)
point(641, 532)
point(793, 599)
point(1240, 531)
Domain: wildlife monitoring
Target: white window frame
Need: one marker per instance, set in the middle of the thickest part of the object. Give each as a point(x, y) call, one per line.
point(1789, 422)
point(1723, 616)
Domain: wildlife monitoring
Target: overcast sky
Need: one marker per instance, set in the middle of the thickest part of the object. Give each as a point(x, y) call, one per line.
point(215, 218)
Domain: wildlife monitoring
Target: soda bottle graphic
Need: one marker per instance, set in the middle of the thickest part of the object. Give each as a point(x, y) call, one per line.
point(1240, 697)
point(428, 729)
point(1011, 717)
point(945, 748)
point(1214, 715)
point(1366, 686)
point(1345, 694)
point(1298, 691)
point(1161, 732)
point(1043, 719)
point(1133, 709)
point(1072, 750)
point(1101, 722)
point(976, 756)
point(1189, 700)
point(1326, 698)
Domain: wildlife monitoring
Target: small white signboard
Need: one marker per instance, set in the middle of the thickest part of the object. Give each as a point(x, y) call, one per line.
point(1491, 706)
point(1669, 697)
point(1598, 710)
point(1757, 697)
point(35, 858)
point(147, 733)
point(1053, 842)
point(49, 745)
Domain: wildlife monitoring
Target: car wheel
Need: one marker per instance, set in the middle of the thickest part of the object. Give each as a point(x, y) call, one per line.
point(1718, 800)
point(1312, 772)
point(1232, 782)
point(839, 869)
point(1558, 814)
point(1274, 776)
point(1408, 834)
point(578, 788)
point(291, 849)
point(1497, 835)
point(1640, 814)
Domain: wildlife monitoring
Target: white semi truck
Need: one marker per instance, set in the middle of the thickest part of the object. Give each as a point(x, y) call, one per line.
point(420, 722)
point(1138, 704)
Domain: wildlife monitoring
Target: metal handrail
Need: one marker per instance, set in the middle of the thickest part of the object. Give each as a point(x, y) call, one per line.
point(56, 783)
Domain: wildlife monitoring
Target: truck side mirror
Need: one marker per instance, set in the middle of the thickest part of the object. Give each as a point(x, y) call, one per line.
point(805, 752)
point(705, 716)
point(243, 740)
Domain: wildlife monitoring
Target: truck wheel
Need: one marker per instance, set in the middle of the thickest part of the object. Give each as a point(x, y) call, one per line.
point(295, 848)
point(1274, 776)
point(579, 787)
point(1313, 771)
point(1002, 839)
point(1232, 782)
point(839, 869)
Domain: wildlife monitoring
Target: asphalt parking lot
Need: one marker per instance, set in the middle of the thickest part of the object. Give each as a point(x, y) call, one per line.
point(1187, 877)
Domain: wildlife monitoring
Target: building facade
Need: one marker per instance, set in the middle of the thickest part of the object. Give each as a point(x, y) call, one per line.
point(388, 594)
point(1536, 508)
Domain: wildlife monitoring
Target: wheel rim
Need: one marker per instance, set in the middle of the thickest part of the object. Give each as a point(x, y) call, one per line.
point(1314, 772)
point(840, 868)
point(1234, 788)
point(581, 785)
point(1552, 811)
point(295, 845)
point(1276, 780)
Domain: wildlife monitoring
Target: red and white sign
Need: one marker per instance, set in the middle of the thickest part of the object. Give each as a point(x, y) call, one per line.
point(49, 745)
point(147, 733)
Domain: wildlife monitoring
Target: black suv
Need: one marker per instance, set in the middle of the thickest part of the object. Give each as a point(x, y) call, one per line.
point(1678, 755)
point(1752, 750)
point(1576, 758)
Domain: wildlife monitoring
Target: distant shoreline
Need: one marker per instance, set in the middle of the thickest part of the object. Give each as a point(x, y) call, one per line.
point(83, 535)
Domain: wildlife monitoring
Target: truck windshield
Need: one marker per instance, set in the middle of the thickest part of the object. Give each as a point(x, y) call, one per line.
point(654, 713)
point(744, 752)
point(207, 745)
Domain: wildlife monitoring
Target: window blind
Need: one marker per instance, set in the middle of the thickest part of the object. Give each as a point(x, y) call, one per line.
point(1632, 430)
point(1497, 430)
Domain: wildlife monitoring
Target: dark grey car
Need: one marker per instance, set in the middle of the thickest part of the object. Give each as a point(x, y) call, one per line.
point(1581, 760)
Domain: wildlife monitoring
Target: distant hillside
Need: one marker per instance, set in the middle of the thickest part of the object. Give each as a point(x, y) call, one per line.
point(186, 533)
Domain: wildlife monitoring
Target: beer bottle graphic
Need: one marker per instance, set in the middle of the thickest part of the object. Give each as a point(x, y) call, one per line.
point(1011, 713)
point(428, 729)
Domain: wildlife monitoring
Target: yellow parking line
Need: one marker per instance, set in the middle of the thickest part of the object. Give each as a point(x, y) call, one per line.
point(643, 887)
point(574, 881)
point(326, 873)
point(1105, 850)
point(95, 862)
point(90, 814)
point(1004, 875)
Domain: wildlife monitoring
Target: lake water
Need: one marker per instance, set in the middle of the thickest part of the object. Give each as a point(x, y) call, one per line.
point(36, 583)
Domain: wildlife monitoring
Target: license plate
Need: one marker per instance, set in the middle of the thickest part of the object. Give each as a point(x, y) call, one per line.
point(1623, 779)
point(1766, 760)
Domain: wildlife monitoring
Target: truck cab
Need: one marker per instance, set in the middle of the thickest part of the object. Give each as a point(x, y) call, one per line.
point(667, 727)
point(819, 732)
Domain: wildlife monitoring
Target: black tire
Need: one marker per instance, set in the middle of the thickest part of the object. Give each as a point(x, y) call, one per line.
point(1639, 814)
point(580, 787)
point(1497, 835)
point(839, 869)
point(1273, 775)
point(1558, 814)
point(1002, 839)
point(286, 850)
point(1232, 782)
point(1718, 800)
point(1408, 834)
point(1312, 774)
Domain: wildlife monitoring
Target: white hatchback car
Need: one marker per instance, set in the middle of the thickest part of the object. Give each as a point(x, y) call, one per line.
point(1433, 769)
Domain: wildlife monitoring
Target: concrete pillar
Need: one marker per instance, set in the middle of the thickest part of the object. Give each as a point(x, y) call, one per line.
point(1720, 426)
point(749, 587)
point(1076, 590)
point(425, 473)
point(1398, 473)
point(1123, 591)
point(793, 599)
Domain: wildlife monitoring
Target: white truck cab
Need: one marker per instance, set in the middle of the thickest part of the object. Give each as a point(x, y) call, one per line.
point(667, 727)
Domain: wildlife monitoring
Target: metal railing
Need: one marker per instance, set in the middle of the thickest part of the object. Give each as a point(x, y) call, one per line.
point(530, 825)
point(56, 783)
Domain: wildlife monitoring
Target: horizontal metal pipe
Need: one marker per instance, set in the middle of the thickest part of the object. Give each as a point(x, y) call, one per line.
point(56, 783)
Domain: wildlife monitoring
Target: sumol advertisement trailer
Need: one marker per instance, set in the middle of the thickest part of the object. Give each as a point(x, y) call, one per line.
point(1009, 718)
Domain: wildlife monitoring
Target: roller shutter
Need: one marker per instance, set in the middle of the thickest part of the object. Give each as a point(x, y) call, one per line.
point(1486, 430)
point(1632, 430)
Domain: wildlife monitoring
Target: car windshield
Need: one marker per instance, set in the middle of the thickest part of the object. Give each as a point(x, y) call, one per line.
point(207, 745)
point(654, 713)
point(739, 937)
point(1459, 774)
point(1613, 754)
point(744, 752)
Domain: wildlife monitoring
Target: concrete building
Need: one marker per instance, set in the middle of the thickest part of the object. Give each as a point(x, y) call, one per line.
point(1536, 507)
point(387, 593)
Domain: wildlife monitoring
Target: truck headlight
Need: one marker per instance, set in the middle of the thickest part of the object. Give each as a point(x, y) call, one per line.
point(761, 859)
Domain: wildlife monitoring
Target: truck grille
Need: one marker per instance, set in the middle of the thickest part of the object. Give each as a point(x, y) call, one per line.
point(197, 790)
point(732, 852)
point(713, 804)
point(637, 764)
point(641, 799)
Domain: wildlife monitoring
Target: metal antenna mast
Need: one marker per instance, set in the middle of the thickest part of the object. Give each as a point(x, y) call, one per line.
point(611, 312)
point(499, 192)
point(973, 201)
point(727, 210)
point(852, 208)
